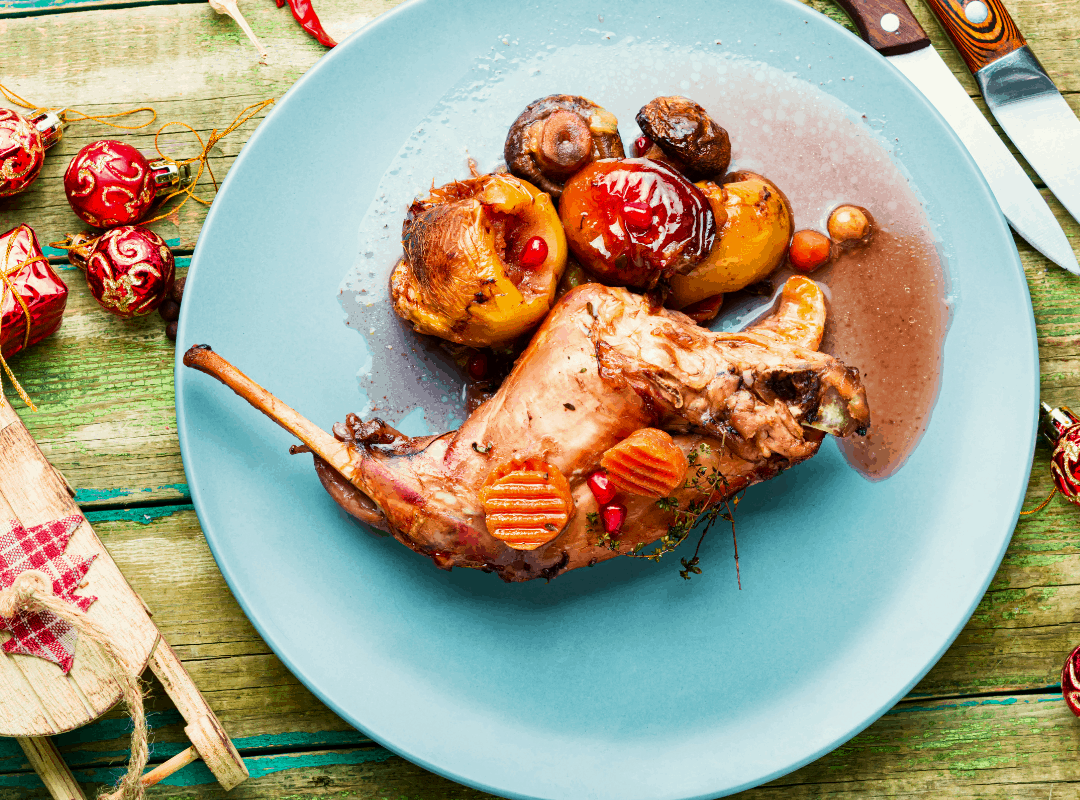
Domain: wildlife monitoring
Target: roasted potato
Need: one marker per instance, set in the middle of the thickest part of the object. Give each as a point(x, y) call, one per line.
point(482, 259)
point(755, 222)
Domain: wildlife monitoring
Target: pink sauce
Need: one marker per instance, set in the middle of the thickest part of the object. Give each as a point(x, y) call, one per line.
point(888, 318)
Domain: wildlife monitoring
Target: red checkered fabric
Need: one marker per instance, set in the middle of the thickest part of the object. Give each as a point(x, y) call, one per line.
point(41, 633)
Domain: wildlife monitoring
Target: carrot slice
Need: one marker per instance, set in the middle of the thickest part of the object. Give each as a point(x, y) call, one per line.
point(646, 463)
point(526, 502)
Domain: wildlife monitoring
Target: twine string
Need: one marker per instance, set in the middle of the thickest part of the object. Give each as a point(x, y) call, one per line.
point(32, 591)
point(6, 275)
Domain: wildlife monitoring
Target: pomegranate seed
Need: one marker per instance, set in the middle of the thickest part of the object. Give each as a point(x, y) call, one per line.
point(614, 515)
point(809, 251)
point(642, 145)
point(637, 215)
point(478, 366)
point(534, 253)
point(602, 488)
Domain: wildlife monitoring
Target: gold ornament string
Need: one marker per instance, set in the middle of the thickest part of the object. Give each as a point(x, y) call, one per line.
point(6, 274)
point(202, 159)
point(68, 115)
point(1041, 505)
point(32, 591)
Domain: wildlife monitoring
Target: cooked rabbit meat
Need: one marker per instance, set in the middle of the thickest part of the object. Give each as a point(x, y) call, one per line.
point(603, 365)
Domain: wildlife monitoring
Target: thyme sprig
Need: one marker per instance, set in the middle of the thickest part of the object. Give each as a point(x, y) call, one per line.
point(710, 482)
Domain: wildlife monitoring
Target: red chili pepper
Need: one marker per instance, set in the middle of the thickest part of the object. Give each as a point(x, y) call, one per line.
point(304, 13)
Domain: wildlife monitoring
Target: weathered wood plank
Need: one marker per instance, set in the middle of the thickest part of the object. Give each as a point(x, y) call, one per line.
point(1008, 747)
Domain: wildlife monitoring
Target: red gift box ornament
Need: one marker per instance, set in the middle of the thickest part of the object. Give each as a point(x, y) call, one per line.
point(32, 297)
point(130, 271)
point(23, 143)
point(111, 183)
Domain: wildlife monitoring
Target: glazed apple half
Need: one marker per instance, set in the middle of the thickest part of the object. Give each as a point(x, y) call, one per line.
point(482, 259)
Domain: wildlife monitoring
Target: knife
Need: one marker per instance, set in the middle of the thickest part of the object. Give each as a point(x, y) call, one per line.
point(1018, 91)
point(890, 28)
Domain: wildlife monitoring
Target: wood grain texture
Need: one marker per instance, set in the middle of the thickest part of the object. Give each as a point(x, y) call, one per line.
point(868, 16)
point(119, 448)
point(49, 765)
point(979, 43)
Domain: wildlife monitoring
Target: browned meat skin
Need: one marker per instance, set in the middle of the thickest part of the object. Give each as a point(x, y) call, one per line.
point(601, 366)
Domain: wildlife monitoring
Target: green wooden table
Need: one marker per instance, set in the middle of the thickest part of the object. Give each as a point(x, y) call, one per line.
point(987, 721)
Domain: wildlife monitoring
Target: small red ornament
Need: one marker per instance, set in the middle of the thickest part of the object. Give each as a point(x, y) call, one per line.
point(111, 183)
point(130, 271)
point(1062, 428)
point(1070, 681)
point(22, 148)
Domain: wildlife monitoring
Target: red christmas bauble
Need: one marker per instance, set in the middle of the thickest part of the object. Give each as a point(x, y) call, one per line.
point(109, 183)
point(1070, 681)
point(1065, 464)
point(130, 271)
point(22, 152)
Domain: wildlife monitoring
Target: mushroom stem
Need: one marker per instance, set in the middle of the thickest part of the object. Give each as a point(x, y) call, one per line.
point(565, 144)
point(338, 454)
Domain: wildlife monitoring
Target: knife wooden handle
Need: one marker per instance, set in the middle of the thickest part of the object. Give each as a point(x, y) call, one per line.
point(886, 25)
point(982, 30)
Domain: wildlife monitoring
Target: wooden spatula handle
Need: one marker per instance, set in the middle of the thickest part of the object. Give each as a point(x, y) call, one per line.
point(886, 25)
point(982, 37)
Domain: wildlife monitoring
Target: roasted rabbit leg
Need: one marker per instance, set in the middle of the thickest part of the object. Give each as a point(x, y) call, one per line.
point(603, 365)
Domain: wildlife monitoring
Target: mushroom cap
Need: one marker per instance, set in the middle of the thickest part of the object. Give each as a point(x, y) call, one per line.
point(556, 136)
point(687, 135)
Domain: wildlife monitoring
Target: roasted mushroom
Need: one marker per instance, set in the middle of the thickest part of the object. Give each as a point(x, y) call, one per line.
point(755, 226)
point(482, 260)
point(556, 136)
point(633, 221)
point(687, 136)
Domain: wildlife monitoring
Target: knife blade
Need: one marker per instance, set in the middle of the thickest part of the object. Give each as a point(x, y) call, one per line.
point(890, 28)
point(1020, 94)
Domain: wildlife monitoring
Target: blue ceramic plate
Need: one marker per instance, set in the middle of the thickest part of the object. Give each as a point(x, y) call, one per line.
point(623, 681)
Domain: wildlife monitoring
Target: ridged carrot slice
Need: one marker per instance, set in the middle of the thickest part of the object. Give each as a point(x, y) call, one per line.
point(646, 463)
point(526, 503)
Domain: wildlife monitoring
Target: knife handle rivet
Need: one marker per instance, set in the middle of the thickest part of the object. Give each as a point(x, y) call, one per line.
point(976, 12)
point(890, 23)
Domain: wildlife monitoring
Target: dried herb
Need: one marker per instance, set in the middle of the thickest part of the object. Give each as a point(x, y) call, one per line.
point(707, 481)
